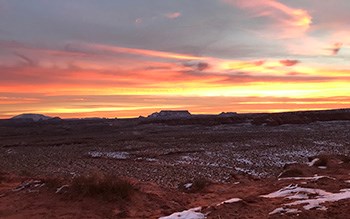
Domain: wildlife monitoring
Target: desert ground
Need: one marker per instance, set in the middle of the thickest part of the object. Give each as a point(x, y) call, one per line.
point(227, 170)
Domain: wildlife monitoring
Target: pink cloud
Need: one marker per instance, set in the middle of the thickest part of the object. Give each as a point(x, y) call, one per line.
point(288, 62)
point(293, 22)
point(173, 15)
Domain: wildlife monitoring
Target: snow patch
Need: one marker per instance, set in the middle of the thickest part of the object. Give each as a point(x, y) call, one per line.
point(314, 178)
point(290, 190)
point(188, 185)
point(58, 190)
point(284, 210)
point(312, 163)
point(245, 161)
point(310, 198)
point(229, 201)
point(151, 159)
point(316, 202)
point(114, 155)
point(31, 184)
point(193, 213)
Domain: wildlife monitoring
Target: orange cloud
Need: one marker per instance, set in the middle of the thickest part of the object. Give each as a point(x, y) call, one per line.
point(293, 21)
point(288, 62)
point(135, 105)
point(141, 52)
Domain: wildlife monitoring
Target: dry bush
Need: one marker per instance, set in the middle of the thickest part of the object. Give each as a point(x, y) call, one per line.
point(2, 177)
point(294, 172)
point(105, 187)
point(344, 158)
point(197, 185)
point(323, 161)
point(52, 182)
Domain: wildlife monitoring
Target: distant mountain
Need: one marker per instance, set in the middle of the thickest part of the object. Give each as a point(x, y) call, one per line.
point(34, 117)
point(170, 114)
point(228, 114)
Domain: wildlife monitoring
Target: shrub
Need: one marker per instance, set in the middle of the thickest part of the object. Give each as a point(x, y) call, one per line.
point(52, 182)
point(197, 185)
point(323, 161)
point(106, 187)
point(2, 177)
point(344, 158)
point(294, 172)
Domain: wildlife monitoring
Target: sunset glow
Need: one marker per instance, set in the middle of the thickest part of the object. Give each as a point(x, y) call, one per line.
point(88, 58)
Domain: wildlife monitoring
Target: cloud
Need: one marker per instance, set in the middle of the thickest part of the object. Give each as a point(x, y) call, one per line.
point(173, 15)
point(133, 51)
point(198, 66)
point(138, 21)
point(293, 22)
point(288, 62)
point(26, 59)
point(135, 105)
point(336, 48)
point(67, 51)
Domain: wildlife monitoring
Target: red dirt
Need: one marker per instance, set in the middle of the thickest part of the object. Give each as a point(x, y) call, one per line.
point(153, 201)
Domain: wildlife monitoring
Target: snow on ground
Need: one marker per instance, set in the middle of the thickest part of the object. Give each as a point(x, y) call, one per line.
point(317, 201)
point(284, 210)
point(188, 185)
point(328, 143)
point(290, 190)
point(58, 190)
point(114, 155)
point(193, 213)
point(249, 171)
point(313, 178)
point(232, 200)
point(313, 162)
point(308, 197)
point(245, 161)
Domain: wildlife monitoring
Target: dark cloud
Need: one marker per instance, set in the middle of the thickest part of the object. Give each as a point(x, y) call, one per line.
point(336, 48)
point(199, 66)
point(202, 66)
point(25, 58)
point(288, 62)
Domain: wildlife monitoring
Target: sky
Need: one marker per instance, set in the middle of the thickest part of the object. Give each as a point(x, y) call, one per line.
point(118, 58)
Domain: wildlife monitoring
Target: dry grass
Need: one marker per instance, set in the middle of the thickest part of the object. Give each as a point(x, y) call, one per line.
point(101, 186)
point(105, 187)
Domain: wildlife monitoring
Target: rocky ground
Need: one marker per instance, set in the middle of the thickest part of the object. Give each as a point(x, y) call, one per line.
point(302, 191)
point(241, 161)
point(167, 154)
